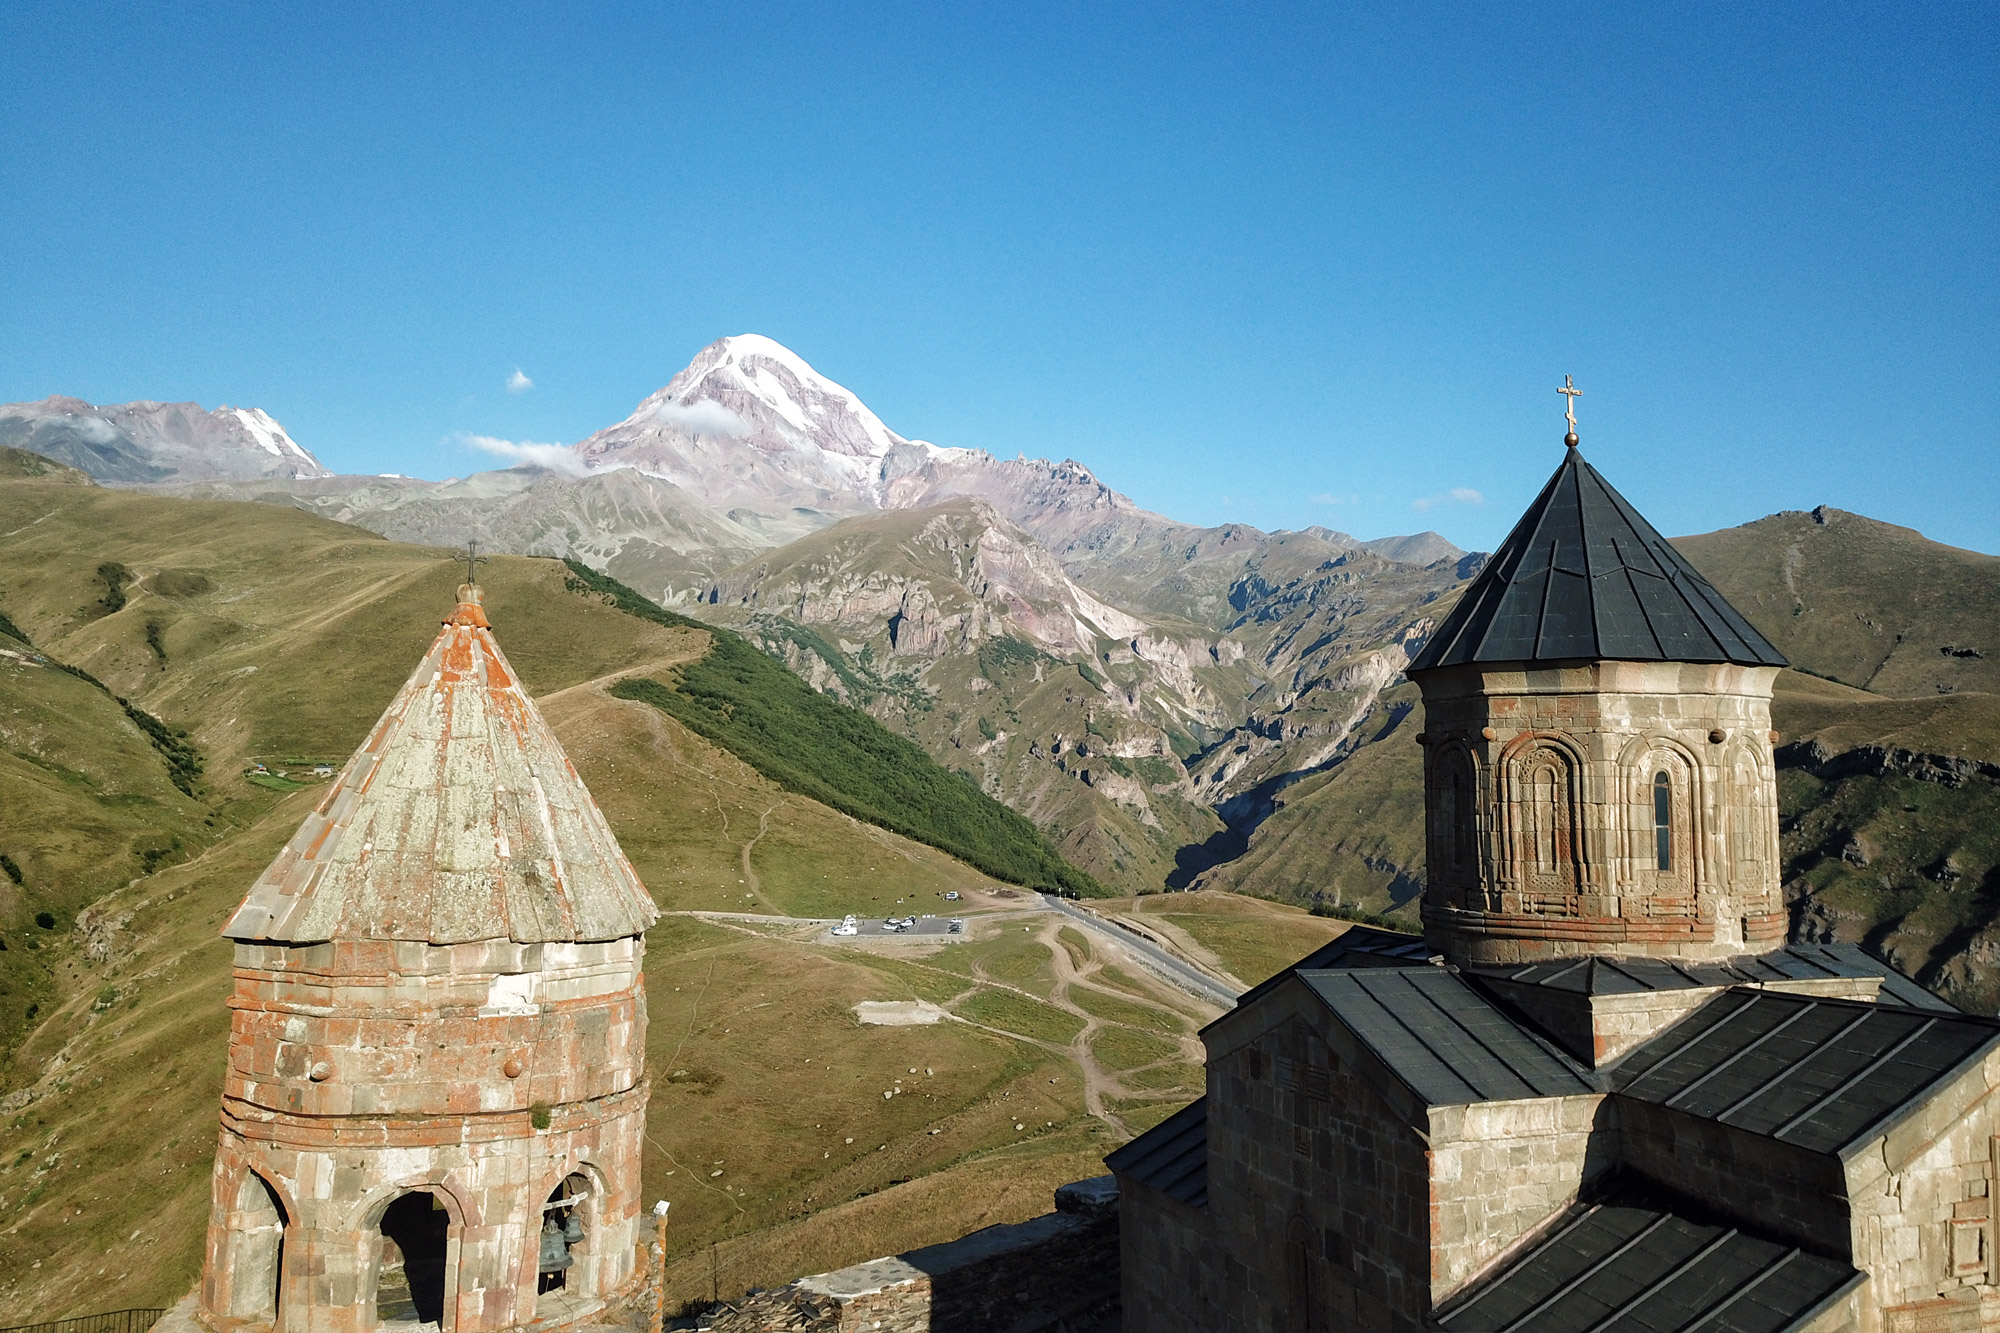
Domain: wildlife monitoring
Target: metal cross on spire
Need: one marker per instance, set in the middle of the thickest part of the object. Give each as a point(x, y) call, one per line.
point(471, 558)
point(1569, 409)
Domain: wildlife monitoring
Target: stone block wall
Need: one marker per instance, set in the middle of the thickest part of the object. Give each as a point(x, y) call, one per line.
point(1782, 1191)
point(1057, 1273)
point(1595, 734)
point(1319, 1188)
point(1172, 1244)
point(1500, 1170)
point(1924, 1222)
point(481, 1075)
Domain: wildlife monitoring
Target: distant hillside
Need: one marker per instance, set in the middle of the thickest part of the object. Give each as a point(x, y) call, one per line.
point(271, 636)
point(745, 701)
point(138, 443)
point(1865, 603)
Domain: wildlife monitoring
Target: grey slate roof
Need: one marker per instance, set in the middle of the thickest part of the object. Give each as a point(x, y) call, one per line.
point(459, 819)
point(1584, 576)
point(1603, 974)
point(1357, 946)
point(1172, 1156)
point(1822, 1074)
point(1446, 1042)
point(1625, 1267)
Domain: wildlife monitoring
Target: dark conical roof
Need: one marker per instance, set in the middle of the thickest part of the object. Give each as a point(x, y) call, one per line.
point(1584, 576)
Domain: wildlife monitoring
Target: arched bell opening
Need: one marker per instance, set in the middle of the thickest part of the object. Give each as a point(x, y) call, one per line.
point(256, 1252)
point(568, 1219)
point(410, 1276)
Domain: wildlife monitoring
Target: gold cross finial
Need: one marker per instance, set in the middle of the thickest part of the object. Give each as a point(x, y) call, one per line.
point(1569, 409)
point(471, 559)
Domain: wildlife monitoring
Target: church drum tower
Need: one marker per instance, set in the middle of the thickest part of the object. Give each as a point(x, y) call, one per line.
point(1598, 775)
point(436, 1093)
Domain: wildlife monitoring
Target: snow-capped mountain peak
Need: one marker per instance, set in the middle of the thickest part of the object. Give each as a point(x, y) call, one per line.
point(265, 430)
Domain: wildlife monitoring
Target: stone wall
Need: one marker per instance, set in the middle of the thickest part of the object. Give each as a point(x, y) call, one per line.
point(1924, 1224)
point(1783, 1191)
point(1541, 837)
point(481, 1075)
point(1171, 1243)
point(1057, 1273)
point(1500, 1170)
point(1319, 1187)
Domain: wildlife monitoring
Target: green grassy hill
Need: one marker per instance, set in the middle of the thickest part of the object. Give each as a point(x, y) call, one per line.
point(271, 636)
point(740, 698)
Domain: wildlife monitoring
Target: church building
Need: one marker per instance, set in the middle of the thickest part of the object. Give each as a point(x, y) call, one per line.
point(1599, 1092)
point(436, 1093)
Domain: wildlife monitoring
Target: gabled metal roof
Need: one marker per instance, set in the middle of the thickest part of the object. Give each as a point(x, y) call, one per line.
point(1446, 1042)
point(1357, 946)
point(1626, 1267)
point(460, 819)
point(1606, 974)
point(1821, 1074)
point(1584, 577)
point(1172, 1156)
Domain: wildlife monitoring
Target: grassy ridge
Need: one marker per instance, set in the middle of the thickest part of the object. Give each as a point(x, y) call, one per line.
point(740, 698)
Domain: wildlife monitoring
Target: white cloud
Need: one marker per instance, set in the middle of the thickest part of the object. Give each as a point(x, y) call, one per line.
point(555, 457)
point(519, 383)
point(703, 418)
point(1457, 495)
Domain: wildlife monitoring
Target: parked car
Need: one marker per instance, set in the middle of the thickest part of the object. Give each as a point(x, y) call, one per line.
point(956, 926)
point(951, 895)
point(847, 926)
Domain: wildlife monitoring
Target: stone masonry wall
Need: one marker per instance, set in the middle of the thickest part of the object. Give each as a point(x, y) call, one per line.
point(1500, 1170)
point(1576, 872)
point(1781, 1190)
point(1171, 1243)
point(1057, 1273)
point(1923, 1213)
point(480, 1074)
point(1319, 1189)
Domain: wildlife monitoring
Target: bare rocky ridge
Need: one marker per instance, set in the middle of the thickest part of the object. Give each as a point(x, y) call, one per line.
point(1118, 676)
point(143, 442)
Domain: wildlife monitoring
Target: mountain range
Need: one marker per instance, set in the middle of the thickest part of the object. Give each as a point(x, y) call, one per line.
point(1136, 685)
point(1175, 705)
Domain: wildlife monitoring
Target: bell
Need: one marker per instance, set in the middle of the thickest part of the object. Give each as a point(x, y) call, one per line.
point(572, 1229)
point(555, 1250)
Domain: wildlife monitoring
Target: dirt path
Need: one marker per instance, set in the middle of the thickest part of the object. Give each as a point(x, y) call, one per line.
point(612, 677)
point(1187, 946)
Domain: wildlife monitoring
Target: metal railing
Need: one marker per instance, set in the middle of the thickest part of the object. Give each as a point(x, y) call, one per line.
point(112, 1321)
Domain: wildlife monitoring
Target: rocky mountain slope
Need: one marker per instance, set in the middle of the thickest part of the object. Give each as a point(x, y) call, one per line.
point(138, 443)
point(1201, 668)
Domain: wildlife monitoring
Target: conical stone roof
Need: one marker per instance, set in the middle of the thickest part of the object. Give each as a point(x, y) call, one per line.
point(461, 819)
point(1583, 576)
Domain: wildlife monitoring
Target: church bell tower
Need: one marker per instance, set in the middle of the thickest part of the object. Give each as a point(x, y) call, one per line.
point(1598, 775)
point(436, 1093)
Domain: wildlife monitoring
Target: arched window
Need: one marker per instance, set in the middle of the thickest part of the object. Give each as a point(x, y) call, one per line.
point(1663, 821)
point(1463, 828)
point(561, 1243)
point(409, 1284)
point(257, 1252)
point(1548, 804)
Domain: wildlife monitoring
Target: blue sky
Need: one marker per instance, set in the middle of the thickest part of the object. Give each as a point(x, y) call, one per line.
point(1275, 264)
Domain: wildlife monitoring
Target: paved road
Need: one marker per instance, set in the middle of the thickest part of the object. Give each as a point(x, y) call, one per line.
point(1155, 959)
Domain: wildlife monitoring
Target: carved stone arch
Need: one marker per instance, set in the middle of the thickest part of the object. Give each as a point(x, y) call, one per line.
point(1666, 822)
point(1748, 805)
point(430, 1276)
point(368, 1212)
point(1305, 1285)
point(1542, 798)
point(261, 1215)
point(1452, 809)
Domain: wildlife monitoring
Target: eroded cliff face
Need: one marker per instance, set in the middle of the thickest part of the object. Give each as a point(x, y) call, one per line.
point(1127, 734)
